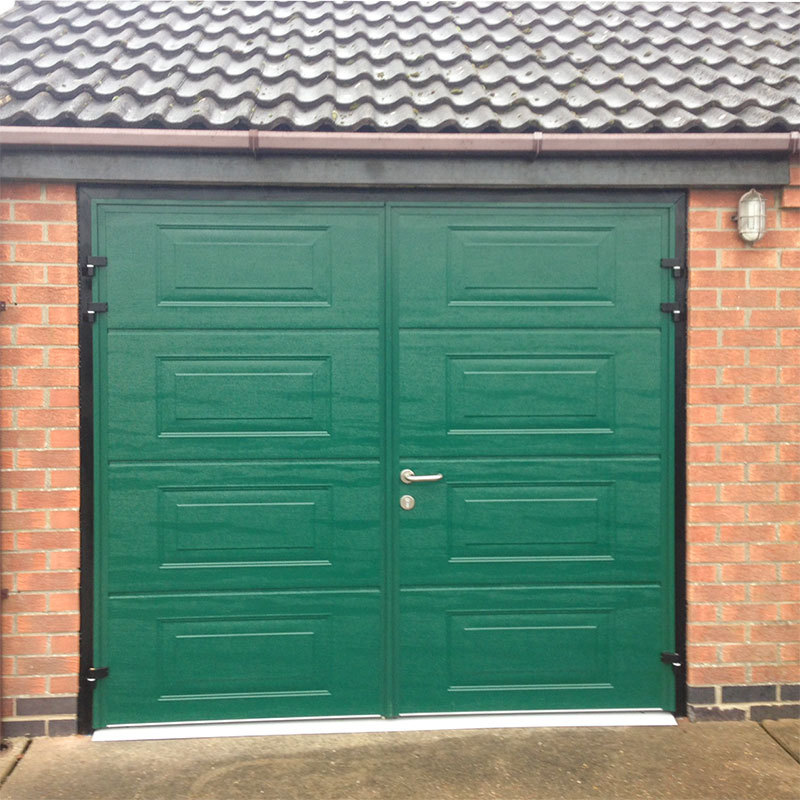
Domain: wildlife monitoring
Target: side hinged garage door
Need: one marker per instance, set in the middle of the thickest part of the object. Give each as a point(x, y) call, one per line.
point(264, 374)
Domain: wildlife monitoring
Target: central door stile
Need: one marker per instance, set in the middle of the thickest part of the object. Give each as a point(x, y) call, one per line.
point(389, 411)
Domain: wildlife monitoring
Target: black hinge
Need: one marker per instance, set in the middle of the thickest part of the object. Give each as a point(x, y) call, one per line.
point(91, 265)
point(92, 310)
point(673, 659)
point(675, 265)
point(94, 674)
point(674, 309)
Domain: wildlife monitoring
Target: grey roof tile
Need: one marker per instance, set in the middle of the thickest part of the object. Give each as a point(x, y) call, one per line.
point(427, 65)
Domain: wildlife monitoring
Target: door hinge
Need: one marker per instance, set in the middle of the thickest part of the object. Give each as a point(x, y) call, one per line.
point(92, 310)
point(94, 674)
point(91, 265)
point(673, 659)
point(674, 309)
point(675, 265)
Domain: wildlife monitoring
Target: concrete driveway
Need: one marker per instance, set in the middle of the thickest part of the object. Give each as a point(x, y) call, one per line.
point(708, 761)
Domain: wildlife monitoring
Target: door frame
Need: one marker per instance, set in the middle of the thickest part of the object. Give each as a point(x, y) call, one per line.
point(89, 192)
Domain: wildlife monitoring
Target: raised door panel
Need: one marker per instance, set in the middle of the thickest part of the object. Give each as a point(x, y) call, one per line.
point(529, 266)
point(237, 265)
point(252, 655)
point(512, 649)
point(228, 395)
point(535, 522)
point(263, 525)
point(524, 393)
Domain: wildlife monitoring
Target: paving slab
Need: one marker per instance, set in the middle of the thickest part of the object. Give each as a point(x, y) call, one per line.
point(10, 754)
point(708, 761)
point(786, 732)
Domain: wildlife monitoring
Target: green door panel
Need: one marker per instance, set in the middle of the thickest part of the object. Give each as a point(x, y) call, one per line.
point(244, 526)
point(263, 374)
point(236, 265)
point(229, 395)
point(239, 656)
point(518, 393)
point(535, 522)
point(514, 649)
point(523, 266)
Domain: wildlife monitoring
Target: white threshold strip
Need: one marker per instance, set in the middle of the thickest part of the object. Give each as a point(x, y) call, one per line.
point(410, 722)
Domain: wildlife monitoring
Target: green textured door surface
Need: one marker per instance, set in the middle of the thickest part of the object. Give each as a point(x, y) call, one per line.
point(266, 370)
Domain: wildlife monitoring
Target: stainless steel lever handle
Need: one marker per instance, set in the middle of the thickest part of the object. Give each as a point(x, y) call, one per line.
point(408, 476)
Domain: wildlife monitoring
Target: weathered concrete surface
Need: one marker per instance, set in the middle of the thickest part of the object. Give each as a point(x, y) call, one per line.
point(10, 755)
point(786, 732)
point(710, 761)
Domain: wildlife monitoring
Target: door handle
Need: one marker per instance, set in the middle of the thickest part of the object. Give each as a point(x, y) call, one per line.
point(408, 476)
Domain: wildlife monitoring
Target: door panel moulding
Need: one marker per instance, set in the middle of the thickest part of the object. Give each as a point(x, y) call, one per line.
point(411, 722)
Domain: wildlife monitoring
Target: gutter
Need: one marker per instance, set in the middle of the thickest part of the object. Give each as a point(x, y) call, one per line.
point(530, 145)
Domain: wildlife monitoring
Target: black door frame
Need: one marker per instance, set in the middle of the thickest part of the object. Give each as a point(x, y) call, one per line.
point(88, 193)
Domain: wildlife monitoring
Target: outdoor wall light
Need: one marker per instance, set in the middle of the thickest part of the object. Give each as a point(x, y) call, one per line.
point(751, 220)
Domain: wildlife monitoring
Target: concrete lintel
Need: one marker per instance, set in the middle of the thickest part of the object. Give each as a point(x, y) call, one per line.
point(392, 171)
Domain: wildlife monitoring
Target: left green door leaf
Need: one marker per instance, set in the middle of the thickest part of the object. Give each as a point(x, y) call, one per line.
point(238, 458)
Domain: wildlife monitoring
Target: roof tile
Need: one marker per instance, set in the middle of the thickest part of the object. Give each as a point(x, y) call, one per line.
point(426, 65)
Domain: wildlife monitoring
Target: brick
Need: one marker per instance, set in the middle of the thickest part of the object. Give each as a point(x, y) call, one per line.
point(703, 338)
point(61, 295)
point(66, 398)
point(775, 394)
point(745, 376)
point(716, 433)
point(789, 673)
point(778, 632)
point(66, 232)
point(702, 415)
point(24, 479)
point(789, 298)
point(47, 417)
point(789, 413)
point(789, 612)
point(716, 553)
point(46, 335)
point(61, 192)
point(701, 534)
point(748, 694)
point(11, 190)
point(777, 356)
point(789, 278)
point(747, 493)
point(723, 199)
point(698, 612)
point(23, 727)
point(23, 398)
point(46, 706)
point(64, 684)
point(774, 512)
point(701, 632)
point(47, 581)
point(777, 551)
point(749, 338)
point(716, 512)
point(716, 356)
point(748, 414)
point(47, 377)
point(750, 612)
point(749, 653)
point(21, 232)
point(747, 533)
point(26, 645)
point(48, 458)
point(773, 472)
point(701, 695)
point(717, 593)
point(23, 357)
point(45, 212)
point(47, 623)
point(63, 601)
point(714, 278)
point(60, 498)
point(702, 298)
point(47, 665)
point(717, 675)
point(724, 319)
point(66, 645)
point(776, 592)
point(67, 276)
point(715, 473)
point(761, 318)
point(701, 573)
point(19, 439)
point(749, 259)
point(62, 357)
point(749, 573)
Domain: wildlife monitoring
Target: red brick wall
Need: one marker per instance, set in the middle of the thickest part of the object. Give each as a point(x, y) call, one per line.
point(39, 448)
point(744, 447)
point(744, 453)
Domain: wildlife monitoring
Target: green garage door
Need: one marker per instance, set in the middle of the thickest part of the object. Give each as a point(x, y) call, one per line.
point(265, 372)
